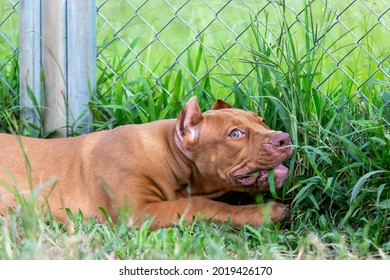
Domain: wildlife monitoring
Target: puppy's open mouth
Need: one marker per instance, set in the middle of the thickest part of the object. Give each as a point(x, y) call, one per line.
point(261, 176)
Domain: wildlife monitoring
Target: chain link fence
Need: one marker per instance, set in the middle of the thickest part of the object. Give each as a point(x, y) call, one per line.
point(157, 38)
point(199, 45)
point(9, 45)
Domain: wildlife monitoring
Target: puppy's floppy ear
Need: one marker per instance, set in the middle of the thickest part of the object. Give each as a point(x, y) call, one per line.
point(188, 122)
point(220, 104)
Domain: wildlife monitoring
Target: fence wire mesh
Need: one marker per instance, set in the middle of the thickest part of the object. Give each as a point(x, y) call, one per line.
point(158, 38)
point(9, 46)
point(198, 45)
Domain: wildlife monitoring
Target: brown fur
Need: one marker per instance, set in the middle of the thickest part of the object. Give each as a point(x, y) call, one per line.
point(162, 169)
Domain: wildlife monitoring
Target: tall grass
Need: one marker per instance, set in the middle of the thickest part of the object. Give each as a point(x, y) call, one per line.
point(341, 162)
point(341, 165)
point(339, 172)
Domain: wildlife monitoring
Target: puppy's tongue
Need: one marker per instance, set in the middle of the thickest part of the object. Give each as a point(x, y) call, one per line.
point(279, 171)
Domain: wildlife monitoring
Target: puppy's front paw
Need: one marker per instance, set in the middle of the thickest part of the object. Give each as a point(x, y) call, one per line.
point(280, 212)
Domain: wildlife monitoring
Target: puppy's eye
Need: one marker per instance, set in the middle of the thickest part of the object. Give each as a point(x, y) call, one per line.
point(236, 134)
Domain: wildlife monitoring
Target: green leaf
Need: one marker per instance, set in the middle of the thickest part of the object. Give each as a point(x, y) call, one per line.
point(352, 165)
point(105, 214)
point(315, 203)
point(271, 180)
point(303, 193)
point(142, 115)
point(151, 108)
point(351, 211)
point(176, 92)
point(379, 193)
point(70, 214)
point(385, 204)
point(355, 150)
point(199, 54)
point(360, 183)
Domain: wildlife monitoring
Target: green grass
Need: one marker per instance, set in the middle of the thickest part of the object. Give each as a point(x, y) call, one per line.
point(340, 170)
point(26, 238)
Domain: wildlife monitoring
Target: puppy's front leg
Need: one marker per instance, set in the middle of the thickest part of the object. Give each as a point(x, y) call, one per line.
point(167, 212)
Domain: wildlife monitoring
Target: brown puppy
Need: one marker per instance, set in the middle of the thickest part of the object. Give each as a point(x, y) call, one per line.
point(162, 169)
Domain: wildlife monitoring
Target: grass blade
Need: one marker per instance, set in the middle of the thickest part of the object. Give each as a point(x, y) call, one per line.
point(360, 182)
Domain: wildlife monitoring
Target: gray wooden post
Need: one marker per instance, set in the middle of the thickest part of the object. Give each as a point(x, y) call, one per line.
point(66, 53)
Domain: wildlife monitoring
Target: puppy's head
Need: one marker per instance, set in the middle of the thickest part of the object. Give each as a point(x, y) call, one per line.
point(232, 148)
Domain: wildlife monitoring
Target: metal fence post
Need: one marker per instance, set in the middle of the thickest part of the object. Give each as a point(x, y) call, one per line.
point(54, 65)
point(29, 59)
point(65, 47)
point(81, 60)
